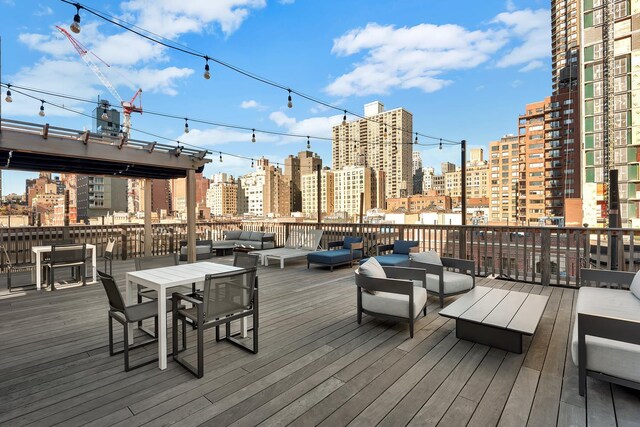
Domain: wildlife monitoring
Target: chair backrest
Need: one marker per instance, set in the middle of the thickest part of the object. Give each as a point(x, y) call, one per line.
point(148, 262)
point(68, 253)
point(108, 252)
point(116, 302)
point(228, 293)
point(245, 260)
point(305, 239)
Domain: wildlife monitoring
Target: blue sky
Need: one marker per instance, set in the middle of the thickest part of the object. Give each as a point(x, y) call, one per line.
point(464, 71)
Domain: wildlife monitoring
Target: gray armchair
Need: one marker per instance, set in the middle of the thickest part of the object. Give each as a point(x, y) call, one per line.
point(393, 297)
point(443, 282)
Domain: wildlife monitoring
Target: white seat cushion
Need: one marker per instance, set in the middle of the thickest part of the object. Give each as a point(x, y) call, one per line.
point(609, 357)
point(453, 282)
point(635, 285)
point(394, 304)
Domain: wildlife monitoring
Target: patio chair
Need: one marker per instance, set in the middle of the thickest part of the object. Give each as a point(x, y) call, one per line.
point(399, 255)
point(108, 255)
point(72, 256)
point(227, 297)
point(21, 273)
point(245, 260)
point(441, 281)
point(125, 315)
point(389, 292)
point(149, 262)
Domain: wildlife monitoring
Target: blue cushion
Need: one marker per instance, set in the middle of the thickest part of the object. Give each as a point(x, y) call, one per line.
point(348, 240)
point(394, 260)
point(404, 246)
point(330, 257)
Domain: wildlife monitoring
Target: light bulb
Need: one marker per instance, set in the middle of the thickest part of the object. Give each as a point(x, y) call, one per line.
point(104, 115)
point(253, 136)
point(344, 118)
point(440, 145)
point(41, 113)
point(308, 144)
point(207, 73)
point(289, 100)
point(75, 26)
point(416, 140)
point(186, 126)
point(252, 163)
point(8, 98)
point(220, 157)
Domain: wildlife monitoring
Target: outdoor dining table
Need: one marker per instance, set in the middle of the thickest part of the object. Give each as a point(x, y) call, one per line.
point(163, 279)
point(40, 250)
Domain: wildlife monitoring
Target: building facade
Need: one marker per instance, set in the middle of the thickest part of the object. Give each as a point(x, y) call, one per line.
point(310, 193)
point(295, 167)
point(527, 179)
point(503, 156)
point(349, 183)
point(98, 195)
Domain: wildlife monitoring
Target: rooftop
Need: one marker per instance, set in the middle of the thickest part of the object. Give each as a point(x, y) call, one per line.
point(316, 365)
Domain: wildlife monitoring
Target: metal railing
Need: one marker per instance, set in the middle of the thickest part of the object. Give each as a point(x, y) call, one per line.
point(543, 255)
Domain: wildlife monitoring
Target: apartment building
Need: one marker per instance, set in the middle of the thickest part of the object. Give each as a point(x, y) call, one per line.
point(295, 167)
point(310, 193)
point(222, 198)
point(503, 161)
point(349, 183)
point(527, 178)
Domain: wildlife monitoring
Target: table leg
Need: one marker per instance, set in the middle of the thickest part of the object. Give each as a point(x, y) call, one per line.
point(489, 335)
point(38, 272)
point(162, 328)
point(130, 298)
point(93, 261)
point(243, 327)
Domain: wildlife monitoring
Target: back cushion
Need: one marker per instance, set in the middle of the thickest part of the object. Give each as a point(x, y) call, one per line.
point(232, 234)
point(348, 240)
point(372, 268)
point(403, 246)
point(635, 285)
point(245, 235)
point(428, 257)
point(256, 235)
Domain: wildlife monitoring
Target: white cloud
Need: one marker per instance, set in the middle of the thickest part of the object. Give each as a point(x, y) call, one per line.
point(286, 1)
point(533, 29)
point(251, 104)
point(410, 57)
point(533, 65)
point(314, 127)
point(510, 6)
point(211, 137)
point(43, 10)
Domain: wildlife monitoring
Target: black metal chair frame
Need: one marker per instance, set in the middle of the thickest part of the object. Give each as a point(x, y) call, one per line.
point(201, 325)
point(118, 312)
point(465, 266)
point(399, 280)
point(80, 263)
point(108, 255)
point(11, 268)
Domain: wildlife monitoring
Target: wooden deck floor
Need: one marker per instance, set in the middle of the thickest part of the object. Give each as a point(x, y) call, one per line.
point(316, 366)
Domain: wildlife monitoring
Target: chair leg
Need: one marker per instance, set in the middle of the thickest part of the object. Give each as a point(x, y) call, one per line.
point(411, 328)
point(52, 279)
point(441, 301)
point(174, 333)
point(424, 310)
point(126, 346)
point(200, 334)
point(184, 334)
point(84, 274)
point(217, 333)
point(111, 353)
point(255, 332)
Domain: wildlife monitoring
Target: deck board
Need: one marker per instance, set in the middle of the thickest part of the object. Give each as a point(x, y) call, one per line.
point(316, 365)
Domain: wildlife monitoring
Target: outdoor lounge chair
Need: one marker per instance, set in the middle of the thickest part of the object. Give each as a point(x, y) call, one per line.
point(399, 255)
point(351, 249)
point(440, 280)
point(389, 292)
point(227, 297)
point(299, 244)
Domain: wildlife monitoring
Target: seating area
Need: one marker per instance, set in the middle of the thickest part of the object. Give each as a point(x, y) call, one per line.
point(396, 253)
point(256, 240)
point(341, 252)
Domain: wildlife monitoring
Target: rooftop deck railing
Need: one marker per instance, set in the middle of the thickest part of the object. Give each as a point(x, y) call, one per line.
point(543, 255)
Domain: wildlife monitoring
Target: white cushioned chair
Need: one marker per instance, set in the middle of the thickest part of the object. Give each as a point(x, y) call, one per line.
point(389, 292)
point(440, 280)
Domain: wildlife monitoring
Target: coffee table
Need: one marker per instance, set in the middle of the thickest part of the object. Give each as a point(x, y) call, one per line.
point(223, 249)
point(496, 317)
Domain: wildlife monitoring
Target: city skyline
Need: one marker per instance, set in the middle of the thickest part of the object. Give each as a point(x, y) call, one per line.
point(488, 62)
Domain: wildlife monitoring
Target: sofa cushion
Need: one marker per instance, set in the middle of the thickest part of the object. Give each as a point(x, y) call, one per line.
point(609, 357)
point(393, 260)
point(428, 257)
point(372, 268)
point(338, 256)
point(404, 246)
point(232, 234)
point(635, 285)
point(256, 235)
point(245, 235)
point(348, 240)
point(394, 304)
point(453, 282)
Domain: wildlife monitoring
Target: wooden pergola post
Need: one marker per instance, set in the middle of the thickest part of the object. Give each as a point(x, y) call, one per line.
point(191, 215)
point(148, 236)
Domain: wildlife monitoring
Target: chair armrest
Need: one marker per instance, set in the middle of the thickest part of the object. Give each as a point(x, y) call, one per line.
point(394, 286)
point(383, 248)
point(176, 296)
point(269, 238)
point(616, 278)
point(436, 269)
point(359, 246)
point(336, 244)
point(466, 265)
point(406, 273)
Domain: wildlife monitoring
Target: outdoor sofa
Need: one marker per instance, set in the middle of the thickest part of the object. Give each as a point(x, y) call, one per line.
point(605, 343)
point(399, 255)
point(256, 240)
point(203, 249)
point(351, 249)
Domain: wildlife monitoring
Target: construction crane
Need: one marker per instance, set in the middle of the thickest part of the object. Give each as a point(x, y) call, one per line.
point(128, 107)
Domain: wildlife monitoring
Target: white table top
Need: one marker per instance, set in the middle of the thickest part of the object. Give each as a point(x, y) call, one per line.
point(47, 248)
point(177, 275)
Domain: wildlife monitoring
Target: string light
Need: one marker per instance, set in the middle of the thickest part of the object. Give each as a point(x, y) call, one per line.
point(440, 145)
point(186, 125)
point(9, 98)
point(344, 118)
point(253, 137)
point(104, 115)
point(41, 113)
point(289, 100)
point(207, 73)
point(221, 157)
point(416, 140)
point(75, 26)
point(252, 164)
point(308, 143)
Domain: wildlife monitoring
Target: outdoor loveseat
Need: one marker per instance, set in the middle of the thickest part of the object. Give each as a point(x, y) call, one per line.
point(203, 249)
point(606, 332)
point(351, 249)
point(256, 240)
point(399, 255)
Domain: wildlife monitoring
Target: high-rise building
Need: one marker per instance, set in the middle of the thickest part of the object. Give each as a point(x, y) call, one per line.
point(349, 183)
point(264, 191)
point(222, 198)
point(277, 192)
point(179, 193)
point(610, 85)
point(418, 173)
point(310, 193)
point(504, 155)
point(381, 141)
point(98, 196)
point(527, 174)
point(161, 195)
point(305, 162)
point(477, 176)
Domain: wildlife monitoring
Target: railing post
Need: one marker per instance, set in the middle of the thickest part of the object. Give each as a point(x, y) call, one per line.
point(123, 246)
point(463, 242)
point(171, 239)
point(545, 256)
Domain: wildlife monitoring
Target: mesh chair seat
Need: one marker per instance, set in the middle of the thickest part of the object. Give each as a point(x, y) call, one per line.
point(139, 312)
point(223, 309)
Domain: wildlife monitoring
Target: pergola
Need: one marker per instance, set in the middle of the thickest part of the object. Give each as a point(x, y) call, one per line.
point(34, 147)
